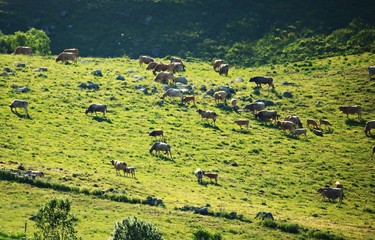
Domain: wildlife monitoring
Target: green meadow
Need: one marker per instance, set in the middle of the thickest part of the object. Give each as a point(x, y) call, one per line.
point(260, 169)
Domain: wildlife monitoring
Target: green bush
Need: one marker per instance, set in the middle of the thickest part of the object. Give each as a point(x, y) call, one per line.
point(202, 234)
point(37, 39)
point(289, 227)
point(54, 221)
point(133, 229)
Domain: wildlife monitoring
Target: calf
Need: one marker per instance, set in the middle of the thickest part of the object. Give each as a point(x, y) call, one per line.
point(188, 99)
point(129, 170)
point(242, 123)
point(286, 125)
point(325, 123)
point(299, 131)
point(156, 133)
point(212, 176)
point(311, 122)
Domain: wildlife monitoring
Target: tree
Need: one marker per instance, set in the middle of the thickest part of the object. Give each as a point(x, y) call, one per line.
point(54, 222)
point(134, 229)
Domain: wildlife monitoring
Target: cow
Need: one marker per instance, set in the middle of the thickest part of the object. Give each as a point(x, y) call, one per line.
point(145, 59)
point(67, 56)
point(151, 65)
point(207, 115)
point(72, 50)
point(286, 125)
point(255, 107)
point(332, 193)
point(369, 126)
point(23, 50)
point(165, 77)
point(220, 96)
point(119, 165)
point(294, 119)
point(371, 71)
point(223, 69)
point(262, 80)
point(351, 110)
point(216, 64)
point(199, 173)
point(241, 123)
point(161, 146)
point(161, 67)
point(93, 108)
point(19, 104)
point(266, 114)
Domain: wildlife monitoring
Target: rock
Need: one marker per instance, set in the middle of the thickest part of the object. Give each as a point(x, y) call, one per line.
point(210, 92)
point(264, 215)
point(181, 80)
point(8, 70)
point(97, 73)
point(288, 83)
point(41, 69)
point(287, 94)
point(203, 210)
point(20, 64)
point(203, 88)
point(266, 102)
point(22, 89)
point(232, 215)
point(239, 79)
point(119, 77)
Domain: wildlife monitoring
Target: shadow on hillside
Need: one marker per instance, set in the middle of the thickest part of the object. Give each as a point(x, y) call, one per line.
point(224, 107)
point(25, 116)
point(102, 119)
point(355, 123)
point(208, 125)
point(165, 158)
point(242, 131)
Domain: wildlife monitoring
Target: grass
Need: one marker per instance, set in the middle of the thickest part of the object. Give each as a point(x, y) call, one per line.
point(260, 169)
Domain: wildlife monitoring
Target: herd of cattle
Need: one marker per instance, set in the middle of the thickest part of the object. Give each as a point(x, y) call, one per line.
point(292, 124)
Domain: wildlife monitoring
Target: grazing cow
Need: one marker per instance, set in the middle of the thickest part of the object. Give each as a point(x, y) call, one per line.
point(242, 123)
point(286, 125)
point(93, 108)
point(220, 96)
point(199, 173)
point(164, 77)
point(299, 131)
point(371, 71)
point(151, 65)
point(145, 59)
point(178, 67)
point(233, 102)
point(223, 69)
point(67, 56)
point(311, 122)
point(324, 122)
point(156, 133)
point(216, 64)
point(255, 107)
point(351, 110)
point(175, 60)
point(129, 170)
point(173, 92)
point(119, 165)
point(207, 115)
point(19, 104)
point(23, 50)
point(33, 174)
point(188, 99)
point(369, 126)
point(266, 114)
point(338, 185)
point(294, 119)
point(72, 50)
point(263, 80)
point(161, 146)
point(317, 132)
point(332, 193)
point(212, 176)
point(373, 151)
point(161, 67)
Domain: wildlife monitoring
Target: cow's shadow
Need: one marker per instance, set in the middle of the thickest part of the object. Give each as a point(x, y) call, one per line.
point(25, 116)
point(102, 119)
point(355, 123)
point(208, 125)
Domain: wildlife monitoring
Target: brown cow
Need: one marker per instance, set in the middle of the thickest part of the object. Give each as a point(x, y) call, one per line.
point(242, 123)
point(151, 65)
point(145, 59)
point(351, 110)
point(165, 77)
point(161, 67)
point(263, 80)
point(223, 69)
point(188, 99)
point(23, 50)
point(67, 56)
point(216, 64)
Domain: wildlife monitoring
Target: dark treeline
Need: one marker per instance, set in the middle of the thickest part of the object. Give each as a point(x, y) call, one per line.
point(243, 32)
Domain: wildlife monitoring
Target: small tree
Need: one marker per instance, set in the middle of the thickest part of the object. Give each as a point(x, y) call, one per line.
point(54, 222)
point(134, 229)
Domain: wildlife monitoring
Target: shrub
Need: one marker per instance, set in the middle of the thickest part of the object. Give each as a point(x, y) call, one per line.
point(289, 227)
point(54, 221)
point(133, 229)
point(202, 234)
point(269, 223)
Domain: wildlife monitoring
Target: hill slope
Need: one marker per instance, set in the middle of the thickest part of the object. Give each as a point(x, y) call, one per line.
point(260, 169)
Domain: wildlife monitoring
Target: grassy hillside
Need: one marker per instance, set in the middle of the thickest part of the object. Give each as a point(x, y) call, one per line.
point(260, 169)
